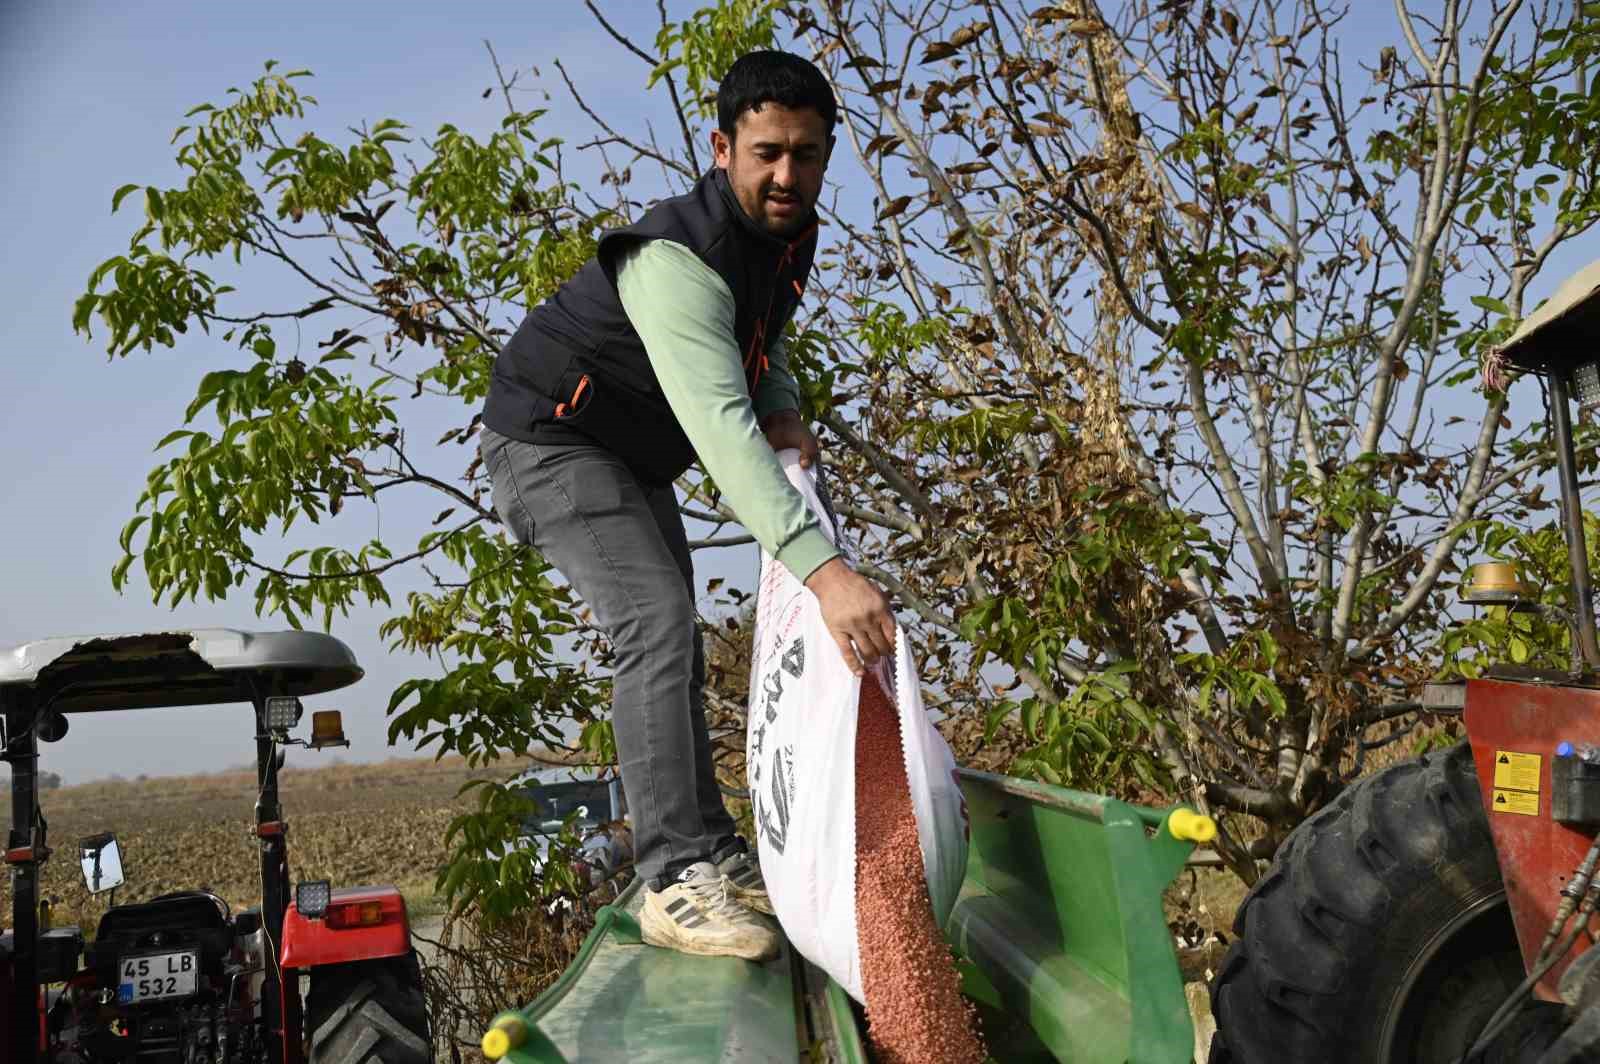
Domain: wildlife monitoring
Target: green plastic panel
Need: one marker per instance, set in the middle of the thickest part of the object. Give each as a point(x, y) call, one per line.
point(621, 1000)
point(1061, 919)
point(845, 1039)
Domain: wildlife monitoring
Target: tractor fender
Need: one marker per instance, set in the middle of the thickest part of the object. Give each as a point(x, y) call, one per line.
point(309, 943)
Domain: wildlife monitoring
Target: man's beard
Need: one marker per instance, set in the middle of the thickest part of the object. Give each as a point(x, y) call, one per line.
point(785, 226)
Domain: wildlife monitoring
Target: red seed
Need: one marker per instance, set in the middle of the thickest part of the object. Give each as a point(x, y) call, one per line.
point(915, 1011)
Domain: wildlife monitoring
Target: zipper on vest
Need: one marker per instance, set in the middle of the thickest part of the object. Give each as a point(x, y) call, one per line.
point(755, 360)
point(571, 405)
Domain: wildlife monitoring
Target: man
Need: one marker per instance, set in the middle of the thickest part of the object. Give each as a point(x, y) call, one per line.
point(667, 345)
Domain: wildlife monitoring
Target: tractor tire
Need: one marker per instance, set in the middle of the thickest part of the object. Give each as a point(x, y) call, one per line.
point(369, 1012)
point(1380, 935)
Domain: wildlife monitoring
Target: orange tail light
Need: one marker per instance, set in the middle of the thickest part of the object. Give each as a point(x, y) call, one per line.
point(344, 915)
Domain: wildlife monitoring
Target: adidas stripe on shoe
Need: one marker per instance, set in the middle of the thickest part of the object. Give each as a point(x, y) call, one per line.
point(697, 914)
point(743, 873)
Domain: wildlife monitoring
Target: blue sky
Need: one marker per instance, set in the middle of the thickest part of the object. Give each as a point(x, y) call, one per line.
point(90, 93)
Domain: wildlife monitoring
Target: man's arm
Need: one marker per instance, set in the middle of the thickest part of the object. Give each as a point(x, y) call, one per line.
point(777, 392)
point(684, 314)
point(778, 408)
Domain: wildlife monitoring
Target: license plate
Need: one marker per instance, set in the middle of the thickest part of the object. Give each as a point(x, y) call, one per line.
point(152, 976)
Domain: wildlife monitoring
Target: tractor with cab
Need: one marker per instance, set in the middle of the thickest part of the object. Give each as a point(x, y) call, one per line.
point(327, 975)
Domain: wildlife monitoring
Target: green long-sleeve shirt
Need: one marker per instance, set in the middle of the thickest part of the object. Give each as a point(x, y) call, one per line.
point(684, 314)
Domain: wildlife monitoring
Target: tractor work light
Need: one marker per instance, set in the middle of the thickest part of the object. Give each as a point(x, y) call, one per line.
point(351, 914)
point(1586, 383)
point(283, 713)
point(311, 897)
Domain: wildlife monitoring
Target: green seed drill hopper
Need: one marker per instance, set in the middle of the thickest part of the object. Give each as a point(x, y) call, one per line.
point(1060, 933)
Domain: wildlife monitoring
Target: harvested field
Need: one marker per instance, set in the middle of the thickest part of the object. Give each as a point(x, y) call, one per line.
point(349, 823)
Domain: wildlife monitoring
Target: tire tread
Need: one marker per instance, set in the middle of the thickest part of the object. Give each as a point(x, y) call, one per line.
point(372, 1012)
point(1294, 982)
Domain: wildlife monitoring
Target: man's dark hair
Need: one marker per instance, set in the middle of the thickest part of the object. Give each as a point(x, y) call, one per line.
point(773, 77)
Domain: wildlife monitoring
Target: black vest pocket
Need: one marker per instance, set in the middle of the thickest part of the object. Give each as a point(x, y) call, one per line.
point(641, 431)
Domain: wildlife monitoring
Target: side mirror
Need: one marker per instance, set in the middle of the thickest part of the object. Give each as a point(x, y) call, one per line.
point(102, 862)
point(52, 726)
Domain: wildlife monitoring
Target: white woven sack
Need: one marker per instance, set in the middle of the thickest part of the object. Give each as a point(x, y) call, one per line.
point(800, 764)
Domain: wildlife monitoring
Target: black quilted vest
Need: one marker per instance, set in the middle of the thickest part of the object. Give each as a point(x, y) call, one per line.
point(576, 370)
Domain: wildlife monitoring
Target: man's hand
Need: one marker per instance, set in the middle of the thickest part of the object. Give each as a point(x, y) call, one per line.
point(785, 429)
point(856, 612)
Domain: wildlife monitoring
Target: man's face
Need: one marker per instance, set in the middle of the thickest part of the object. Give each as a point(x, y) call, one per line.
point(775, 164)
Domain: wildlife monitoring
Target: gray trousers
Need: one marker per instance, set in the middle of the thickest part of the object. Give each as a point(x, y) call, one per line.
point(622, 548)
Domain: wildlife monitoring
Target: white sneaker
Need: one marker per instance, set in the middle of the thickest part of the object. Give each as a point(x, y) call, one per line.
point(743, 873)
point(697, 914)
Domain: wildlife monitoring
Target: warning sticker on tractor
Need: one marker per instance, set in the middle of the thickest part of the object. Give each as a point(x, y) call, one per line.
point(1518, 772)
point(1516, 802)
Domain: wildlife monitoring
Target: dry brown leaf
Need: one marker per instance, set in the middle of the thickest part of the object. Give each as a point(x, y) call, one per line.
point(1013, 68)
point(894, 207)
point(969, 33)
point(938, 50)
point(883, 142)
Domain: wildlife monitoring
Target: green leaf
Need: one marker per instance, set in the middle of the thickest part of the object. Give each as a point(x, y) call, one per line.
point(1030, 718)
point(1269, 647)
point(83, 311)
point(120, 194)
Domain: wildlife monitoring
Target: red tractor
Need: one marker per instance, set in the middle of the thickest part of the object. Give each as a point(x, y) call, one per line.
point(181, 978)
point(1444, 910)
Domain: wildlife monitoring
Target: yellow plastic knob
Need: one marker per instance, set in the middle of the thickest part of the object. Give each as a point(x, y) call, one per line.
point(508, 1032)
point(1190, 826)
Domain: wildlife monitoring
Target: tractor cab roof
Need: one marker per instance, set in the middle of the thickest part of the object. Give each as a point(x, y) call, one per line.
point(1564, 332)
point(184, 667)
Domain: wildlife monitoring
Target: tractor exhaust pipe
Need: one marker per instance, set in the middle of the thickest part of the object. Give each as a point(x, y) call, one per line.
point(1572, 522)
